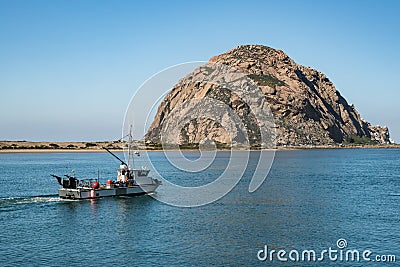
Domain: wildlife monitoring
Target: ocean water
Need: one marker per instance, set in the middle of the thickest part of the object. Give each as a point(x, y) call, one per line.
point(310, 200)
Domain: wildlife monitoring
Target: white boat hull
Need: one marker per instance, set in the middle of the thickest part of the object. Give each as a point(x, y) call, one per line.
point(87, 193)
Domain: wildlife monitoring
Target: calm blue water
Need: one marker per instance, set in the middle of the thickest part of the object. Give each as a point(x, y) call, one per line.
point(310, 199)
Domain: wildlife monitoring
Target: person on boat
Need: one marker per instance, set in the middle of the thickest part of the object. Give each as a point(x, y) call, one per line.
point(123, 173)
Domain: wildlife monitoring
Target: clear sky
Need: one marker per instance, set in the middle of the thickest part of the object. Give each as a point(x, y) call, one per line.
point(68, 69)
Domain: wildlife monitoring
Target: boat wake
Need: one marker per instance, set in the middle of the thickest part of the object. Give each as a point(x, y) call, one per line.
point(9, 203)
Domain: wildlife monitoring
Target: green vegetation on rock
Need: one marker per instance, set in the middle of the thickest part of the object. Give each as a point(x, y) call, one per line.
point(266, 80)
point(357, 140)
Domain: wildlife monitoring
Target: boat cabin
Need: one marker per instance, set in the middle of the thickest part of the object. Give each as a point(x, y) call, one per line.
point(124, 174)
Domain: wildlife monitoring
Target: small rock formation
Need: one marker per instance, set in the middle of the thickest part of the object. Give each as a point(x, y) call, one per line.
point(307, 108)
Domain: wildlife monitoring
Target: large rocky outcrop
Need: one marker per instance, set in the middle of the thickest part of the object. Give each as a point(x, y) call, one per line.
point(307, 108)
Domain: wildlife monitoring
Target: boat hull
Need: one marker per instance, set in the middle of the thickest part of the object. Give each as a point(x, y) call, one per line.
point(89, 193)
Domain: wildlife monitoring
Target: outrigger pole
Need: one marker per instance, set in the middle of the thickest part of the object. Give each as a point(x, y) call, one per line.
point(59, 179)
point(115, 156)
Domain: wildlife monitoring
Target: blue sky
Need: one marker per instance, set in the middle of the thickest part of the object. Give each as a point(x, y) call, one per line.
point(69, 68)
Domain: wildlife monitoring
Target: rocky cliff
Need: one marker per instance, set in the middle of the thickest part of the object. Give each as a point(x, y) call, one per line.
point(307, 108)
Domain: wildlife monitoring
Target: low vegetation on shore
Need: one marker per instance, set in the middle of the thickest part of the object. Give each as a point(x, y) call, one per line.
point(28, 146)
point(49, 146)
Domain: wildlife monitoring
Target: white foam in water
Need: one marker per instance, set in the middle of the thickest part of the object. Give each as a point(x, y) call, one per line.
point(8, 201)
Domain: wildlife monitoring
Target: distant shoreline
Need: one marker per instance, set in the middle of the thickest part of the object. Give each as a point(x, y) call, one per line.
point(57, 147)
point(97, 147)
point(16, 151)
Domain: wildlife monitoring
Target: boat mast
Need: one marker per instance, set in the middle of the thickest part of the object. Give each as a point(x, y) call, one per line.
point(129, 149)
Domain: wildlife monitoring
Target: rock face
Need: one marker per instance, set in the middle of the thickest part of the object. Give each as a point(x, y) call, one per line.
point(307, 108)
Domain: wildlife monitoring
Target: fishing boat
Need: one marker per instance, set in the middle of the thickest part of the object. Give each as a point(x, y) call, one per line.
point(129, 182)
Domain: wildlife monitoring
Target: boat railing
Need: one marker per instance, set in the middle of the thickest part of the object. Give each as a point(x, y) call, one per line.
point(87, 183)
